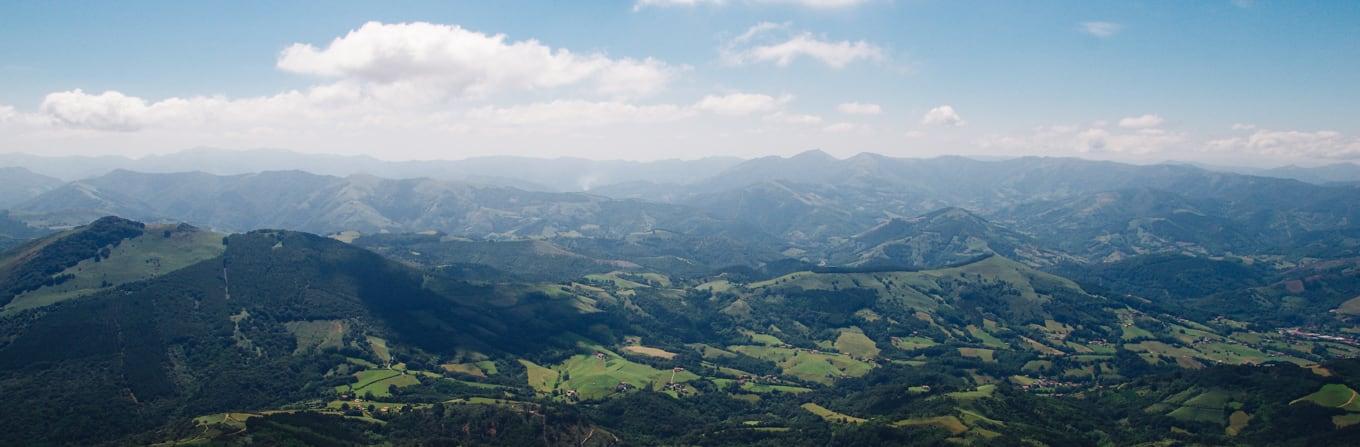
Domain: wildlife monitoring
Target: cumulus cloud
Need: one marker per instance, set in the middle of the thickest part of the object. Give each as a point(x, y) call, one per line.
point(1326, 144)
point(111, 111)
point(1140, 142)
point(843, 127)
point(741, 103)
point(578, 113)
point(1100, 29)
point(1141, 122)
point(424, 58)
point(773, 43)
point(858, 108)
point(793, 118)
point(1070, 139)
point(942, 116)
point(1243, 126)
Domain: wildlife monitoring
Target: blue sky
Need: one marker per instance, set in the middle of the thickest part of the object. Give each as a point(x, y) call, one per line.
point(1234, 82)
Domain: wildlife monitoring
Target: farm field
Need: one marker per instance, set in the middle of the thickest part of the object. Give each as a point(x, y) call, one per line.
point(852, 341)
point(1334, 395)
point(378, 381)
point(812, 366)
point(650, 352)
point(831, 416)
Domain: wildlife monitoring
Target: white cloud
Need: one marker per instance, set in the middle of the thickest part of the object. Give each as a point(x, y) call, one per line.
point(757, 45)
point(1325, 144)
point(843, 127)
point(758, 29)
point(857, 108)
point(1141, 122)
point(942, 116)
point(793, 118)
point(1101, 29)
point(111, 111)
point(741, 103)
point(419, 58)
point(1068, 139)
point(1144, 141)
point(1243, 126)
point(577, 113)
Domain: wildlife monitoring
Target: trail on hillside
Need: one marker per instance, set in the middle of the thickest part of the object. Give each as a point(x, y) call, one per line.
point(1348, 401)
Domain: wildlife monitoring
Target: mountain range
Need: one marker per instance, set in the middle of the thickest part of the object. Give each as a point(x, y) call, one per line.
point(811, 206)
point(806, 300)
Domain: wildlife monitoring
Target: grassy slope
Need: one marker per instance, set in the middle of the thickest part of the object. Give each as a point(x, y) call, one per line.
point(147, 256)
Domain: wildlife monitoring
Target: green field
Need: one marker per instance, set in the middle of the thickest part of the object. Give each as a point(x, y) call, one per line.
point(817, 367)
point(317, 334)
point(379, 347)
point(377, 381)
point(951, 424)
point(1132, 333)
point(761, 388)
point(986, 355)
point(543, 380)
point(650, 351)
point(831, 416)
point(488, 367)
point(1237, 421)
point(987, 339)
point(1334, 395)
point(617, 280)
point(912, 343)
point(852, 341)
point(1037, 366)
point(467, 369)
point(716, 286)
point(147, 256)
point(1195, 405)
point(981, 392)
point(764, 339)
point(1345, 420)
point(710, 352)
point(1350, 307)
point(592, 377)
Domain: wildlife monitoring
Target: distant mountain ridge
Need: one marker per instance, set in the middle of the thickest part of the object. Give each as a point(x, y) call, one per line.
point(805, 206)
point(537, 174)
point(21, 184)
point(326, 204)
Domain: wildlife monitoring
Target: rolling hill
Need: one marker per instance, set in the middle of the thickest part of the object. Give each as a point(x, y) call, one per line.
point(248, 328)
point(939, 238)
point(21, 184)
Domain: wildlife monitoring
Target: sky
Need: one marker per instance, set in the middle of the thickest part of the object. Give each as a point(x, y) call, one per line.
point(1228, 82)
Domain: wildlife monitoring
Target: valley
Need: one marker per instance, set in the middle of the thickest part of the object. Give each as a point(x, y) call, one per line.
point(943, 326)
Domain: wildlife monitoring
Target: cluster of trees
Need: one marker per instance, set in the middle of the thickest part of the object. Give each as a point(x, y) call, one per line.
point(87, 242)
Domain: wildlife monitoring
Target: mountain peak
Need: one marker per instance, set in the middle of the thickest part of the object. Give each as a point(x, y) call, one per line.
point(814, 155)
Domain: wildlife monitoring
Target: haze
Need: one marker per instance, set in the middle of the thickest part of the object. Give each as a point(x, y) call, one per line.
point(1240, 83)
